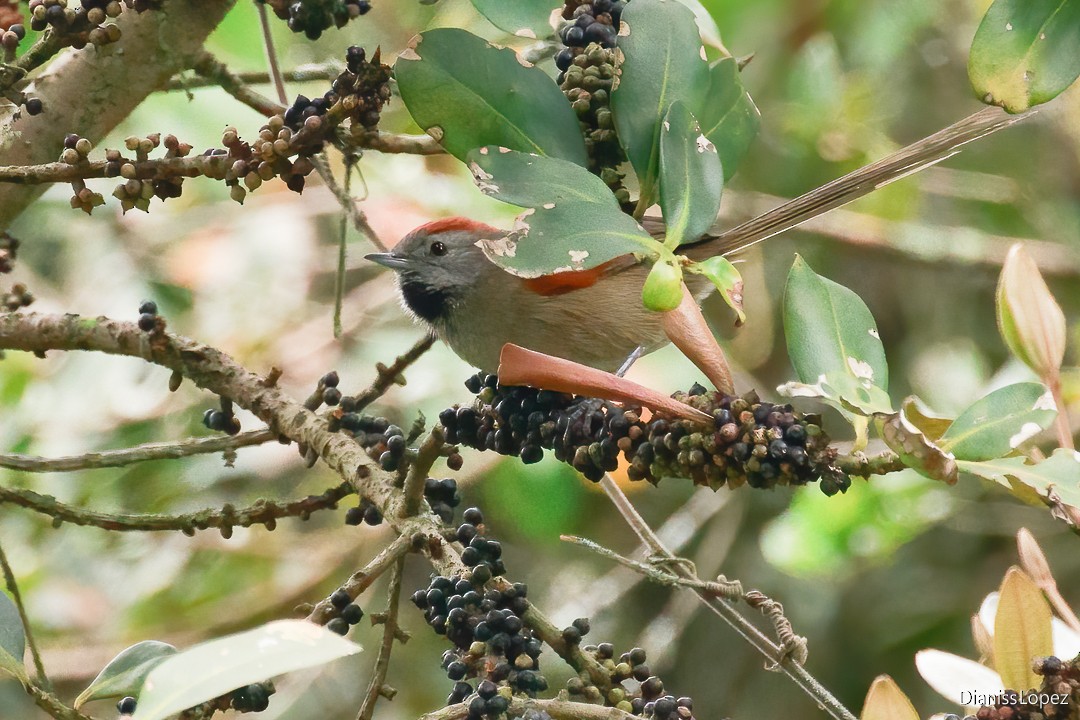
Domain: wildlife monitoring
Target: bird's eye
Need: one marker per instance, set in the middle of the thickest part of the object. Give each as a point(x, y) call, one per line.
point(438, 248)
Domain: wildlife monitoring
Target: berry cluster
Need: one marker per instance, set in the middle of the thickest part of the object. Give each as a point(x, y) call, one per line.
point(490, 640)
point(312, 17)
point(85, 24)
point(364, 512)
point(1060, 679)
point(18, 296)
point(349, 613)
point(481, 553)
point(269, 155)
point(587, 68)
point(752, 442)
point(222, 420)
point(362, 90)
point(443, 497)
point(148, 317)
point(647, 698)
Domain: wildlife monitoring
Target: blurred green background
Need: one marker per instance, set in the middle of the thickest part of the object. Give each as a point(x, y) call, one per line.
point(896, 565)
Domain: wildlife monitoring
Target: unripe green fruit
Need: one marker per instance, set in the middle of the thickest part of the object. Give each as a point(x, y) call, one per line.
point(663, 288)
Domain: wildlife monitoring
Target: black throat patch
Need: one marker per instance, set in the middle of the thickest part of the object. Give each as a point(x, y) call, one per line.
point(429, 303)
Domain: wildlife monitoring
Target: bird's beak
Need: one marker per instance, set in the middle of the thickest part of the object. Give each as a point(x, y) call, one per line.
point(390, 260)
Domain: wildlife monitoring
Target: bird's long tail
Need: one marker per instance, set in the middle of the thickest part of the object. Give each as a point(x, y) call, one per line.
point(906, 161)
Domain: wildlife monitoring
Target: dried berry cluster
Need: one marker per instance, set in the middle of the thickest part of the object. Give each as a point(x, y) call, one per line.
point(645, 698)
point(490, 640)
point(360, 92)
point(348, 613)
point(1061, 679)
point(752, 442)
point(270, 155)
point(312, 17)
point(588, 65)
point(18, 296)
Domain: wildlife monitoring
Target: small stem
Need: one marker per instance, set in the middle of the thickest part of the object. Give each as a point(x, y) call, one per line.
point(388, 375)
point(390, 629)
point(13, 588)
point(271, 53)
point(343, 232)
point(426, 456)
point(1064, 427)
point(138, 453)
point(217, 72)
point(362, 579)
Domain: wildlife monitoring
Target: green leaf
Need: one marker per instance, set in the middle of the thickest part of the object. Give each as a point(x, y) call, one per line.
point(574, 222)
point(725, 276)
point(910, 434)
point(830, 331)
point(214, 668)
point(125, 673)
point(663, 289)
point(1021, 630)
point(524, 18)
point(664, 61)
point(12, 639)
point(691, 178)
point(1025, 52)
point(467, 93)
point(1058, 475)
point(728, 115)
point(996, 425)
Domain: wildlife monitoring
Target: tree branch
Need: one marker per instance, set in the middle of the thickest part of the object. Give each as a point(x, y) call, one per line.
point(90, 91)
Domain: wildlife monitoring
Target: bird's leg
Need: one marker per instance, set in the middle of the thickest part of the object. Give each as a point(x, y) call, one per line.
point(629, 361)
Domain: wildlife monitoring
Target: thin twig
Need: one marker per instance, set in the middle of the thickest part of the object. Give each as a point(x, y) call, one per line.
point(390, 632)
point(137, 453)
point(343, 233)
point(262, 512)
point(389, 375)
point(781, 658)
point(271, 53)
point(654, 571)
point(301, 73)
point(348, 203)
point(859, 465)
point(13, 588)
point(426, 455)
point(362, 579)
point(209, 67)
point(1062, 424)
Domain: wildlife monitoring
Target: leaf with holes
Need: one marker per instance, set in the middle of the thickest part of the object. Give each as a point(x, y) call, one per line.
point(213, 668)
point(832, 339)
point(663, 61)
point(524, 18)
point(691, 178)
point(1025, 52)
point(996, 425)
point(467, 93)
point(125, 673)
point(573, 221)
point(728, 116)
point(913, 436)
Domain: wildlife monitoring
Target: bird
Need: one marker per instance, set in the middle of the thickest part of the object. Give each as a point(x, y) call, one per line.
point(595, 317)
